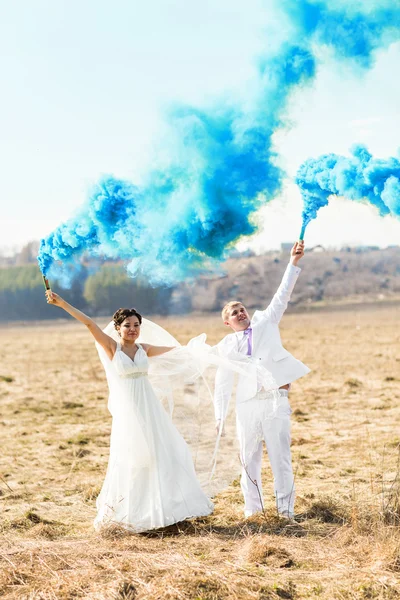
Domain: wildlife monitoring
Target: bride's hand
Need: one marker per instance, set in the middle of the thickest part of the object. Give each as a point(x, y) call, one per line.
point(53, 298)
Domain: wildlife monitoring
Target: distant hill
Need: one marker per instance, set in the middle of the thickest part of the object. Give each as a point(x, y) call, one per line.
point(349, 275)
point(353, 275)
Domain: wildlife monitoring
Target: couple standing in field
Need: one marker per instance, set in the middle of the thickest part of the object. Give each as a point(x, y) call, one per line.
point(151, 481)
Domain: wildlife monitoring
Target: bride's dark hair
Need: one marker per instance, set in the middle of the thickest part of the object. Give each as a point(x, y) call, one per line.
point(123, 313)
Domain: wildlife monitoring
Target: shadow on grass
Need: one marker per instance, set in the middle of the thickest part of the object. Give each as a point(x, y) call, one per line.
point(241, 529)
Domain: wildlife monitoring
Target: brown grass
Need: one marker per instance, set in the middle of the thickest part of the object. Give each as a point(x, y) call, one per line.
point(345, 543)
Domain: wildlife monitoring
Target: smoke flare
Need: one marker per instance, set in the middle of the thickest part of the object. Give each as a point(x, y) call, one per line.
point(359, 177)
point(222, 165)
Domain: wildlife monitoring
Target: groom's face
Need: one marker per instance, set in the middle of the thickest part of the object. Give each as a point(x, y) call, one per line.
point(237, 318)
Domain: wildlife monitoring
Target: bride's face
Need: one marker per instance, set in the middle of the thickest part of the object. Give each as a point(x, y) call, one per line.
point(129, 329)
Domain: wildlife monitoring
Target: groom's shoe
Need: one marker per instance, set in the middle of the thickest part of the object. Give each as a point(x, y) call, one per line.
point(287, 515)
point(250, 513)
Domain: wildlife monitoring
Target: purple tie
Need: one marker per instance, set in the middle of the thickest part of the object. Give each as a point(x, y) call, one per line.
point(249, 333)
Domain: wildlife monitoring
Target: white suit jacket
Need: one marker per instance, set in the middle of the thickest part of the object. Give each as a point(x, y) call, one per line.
point(267, 351)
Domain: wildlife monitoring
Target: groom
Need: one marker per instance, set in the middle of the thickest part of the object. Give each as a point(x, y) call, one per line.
point(262, 405)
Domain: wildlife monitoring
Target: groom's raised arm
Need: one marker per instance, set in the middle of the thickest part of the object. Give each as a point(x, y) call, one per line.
point(274, 312)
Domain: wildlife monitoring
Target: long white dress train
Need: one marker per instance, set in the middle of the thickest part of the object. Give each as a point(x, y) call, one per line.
point(150, 480)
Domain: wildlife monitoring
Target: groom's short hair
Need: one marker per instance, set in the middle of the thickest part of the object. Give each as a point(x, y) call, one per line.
point(227, 308)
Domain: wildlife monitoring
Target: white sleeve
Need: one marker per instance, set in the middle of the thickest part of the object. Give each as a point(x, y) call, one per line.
point(274, 312)
point(224, 379)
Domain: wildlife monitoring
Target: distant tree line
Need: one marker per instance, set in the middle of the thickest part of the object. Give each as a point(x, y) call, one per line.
point(362, 273)
point(22, 294)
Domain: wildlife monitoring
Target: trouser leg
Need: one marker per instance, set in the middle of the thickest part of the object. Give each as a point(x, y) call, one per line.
point(250, 480)
point(277, 439)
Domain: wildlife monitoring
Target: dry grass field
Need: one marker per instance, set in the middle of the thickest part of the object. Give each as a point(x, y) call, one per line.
point(345, 543)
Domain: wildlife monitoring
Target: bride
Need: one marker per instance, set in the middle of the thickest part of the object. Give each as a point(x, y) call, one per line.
point(150, 480)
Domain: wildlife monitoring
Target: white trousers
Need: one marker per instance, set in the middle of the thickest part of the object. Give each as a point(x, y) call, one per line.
point(266, 417)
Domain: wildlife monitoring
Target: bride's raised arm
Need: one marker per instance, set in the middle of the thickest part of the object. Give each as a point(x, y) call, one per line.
point(105, 341)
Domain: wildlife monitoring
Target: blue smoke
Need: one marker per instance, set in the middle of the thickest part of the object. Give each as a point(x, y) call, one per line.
point(359, 177)
point(222, 165)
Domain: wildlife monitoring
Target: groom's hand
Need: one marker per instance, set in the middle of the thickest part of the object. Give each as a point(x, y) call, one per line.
point(297, 252)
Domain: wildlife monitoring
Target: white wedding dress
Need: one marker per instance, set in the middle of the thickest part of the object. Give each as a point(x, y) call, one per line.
point(151, 481)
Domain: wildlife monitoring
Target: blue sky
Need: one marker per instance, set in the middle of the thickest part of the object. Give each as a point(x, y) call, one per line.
point(84, 86)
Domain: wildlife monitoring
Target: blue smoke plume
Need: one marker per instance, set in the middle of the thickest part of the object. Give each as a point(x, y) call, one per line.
point(222, 166)
point(358, 177)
